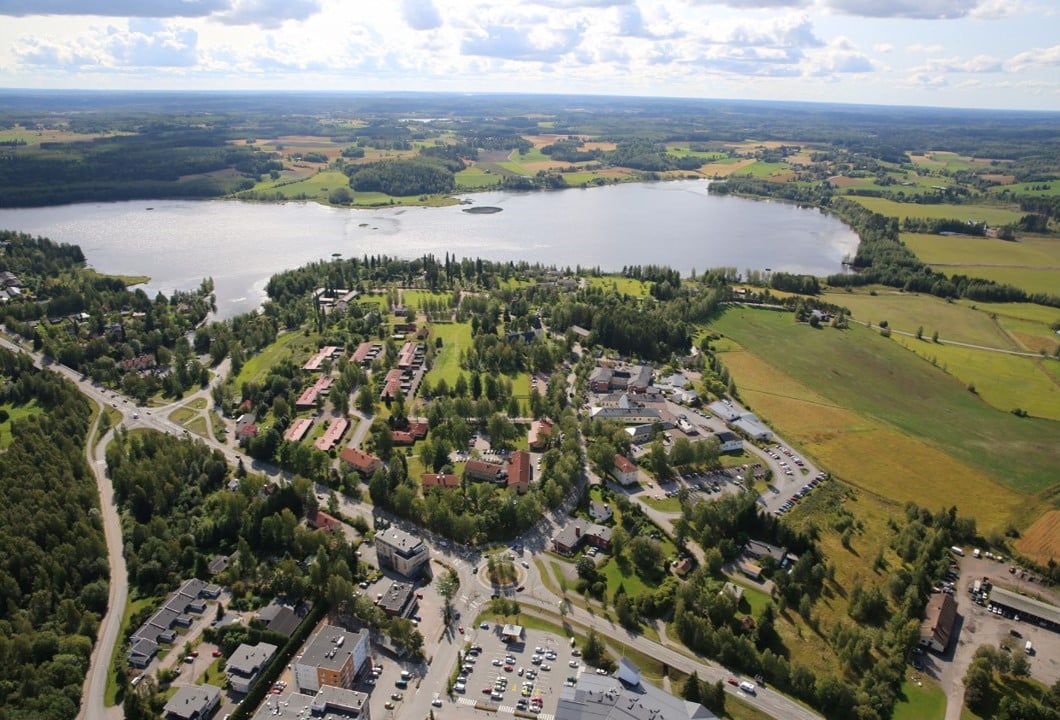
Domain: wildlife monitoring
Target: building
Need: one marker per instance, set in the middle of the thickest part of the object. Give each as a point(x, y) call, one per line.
point(632, 378)
point(1026, 608)
point(246, 663)
point(519, 471)
point(579, 532)
point(724, 410)
point(283, 618)
point(446, 481)
point(326, 353)
point(512, 633)
point(320, 520)
point(366, 352)
point(754, 428)
point(328, 703)
point(331, 437)
point(364, 463)
point(399, 600)
point(625, 471)
point(537, 438)
point(939, 619)
point(297, 430)
point(415, 431)
point(401, 552)
point(392, 384)
point(308, 399)
point(623, 697)
point(484, 471)
point(193, 702)
point(729, 441)
point(333, 656)
point(601, 512)
point(756, 550)
point(190, 597)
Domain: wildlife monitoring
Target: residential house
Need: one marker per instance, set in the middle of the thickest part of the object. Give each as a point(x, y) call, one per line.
point(407, 436)
point(442, 480)
point(190, 597)
point(246, 663)
point(578, 532)
point(392, 384)
point(193, 702)
point(327, 352)
point(297, 430)
point(484, 471)
point(283, 618)
point(331, 437)
point(320, 520)
point(364, 463)
point(601, 512)
point(366, 352)
point(625, 471)
point(937, 627)
point(519, 471)
point(540, 430)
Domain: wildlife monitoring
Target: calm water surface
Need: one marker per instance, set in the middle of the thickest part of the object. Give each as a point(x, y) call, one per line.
point(240, 245)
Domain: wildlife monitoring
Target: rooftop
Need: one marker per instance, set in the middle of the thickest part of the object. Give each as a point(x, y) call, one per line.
point(329, 648)
point(249, 659)
point(604, 697)
point(192, 701)
point(1025, 605)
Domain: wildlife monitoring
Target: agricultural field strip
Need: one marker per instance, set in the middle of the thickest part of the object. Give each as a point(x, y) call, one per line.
point(940, 341)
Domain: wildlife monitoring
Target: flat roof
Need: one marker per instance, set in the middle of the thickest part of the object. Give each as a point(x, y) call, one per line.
point(323, 651)
point(1025, 605)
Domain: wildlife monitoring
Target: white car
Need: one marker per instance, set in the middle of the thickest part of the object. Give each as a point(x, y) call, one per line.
point(437, 701)
point(573, 663)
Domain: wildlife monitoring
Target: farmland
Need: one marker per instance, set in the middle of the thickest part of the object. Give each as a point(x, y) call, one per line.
point(989, 214)
point(1030, 251)
point(875, 410)
point(1041, 541)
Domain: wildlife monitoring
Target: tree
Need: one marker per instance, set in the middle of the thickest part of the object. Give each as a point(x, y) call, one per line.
point(593, 652)
point(366, 400)
point(646, 554)
point(691, 690)
point(447, 585)
point(1020, 666)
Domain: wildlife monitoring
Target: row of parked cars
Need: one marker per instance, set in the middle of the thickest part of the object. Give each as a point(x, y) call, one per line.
point(799, 495)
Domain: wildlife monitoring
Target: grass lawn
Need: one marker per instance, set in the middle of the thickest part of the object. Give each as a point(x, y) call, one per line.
point(980, 213)
point(182, 415)
point(920, 701)
point(624, 574)
point(214, 675)
point(670, 504)
point(15, 412)
point(944, 160)
point(624, 285)
point(296, 346)
point(578, 179)
point(455, 337)
point(198, 426)
point(417, 298)
point(762, 169)
point(883, 419)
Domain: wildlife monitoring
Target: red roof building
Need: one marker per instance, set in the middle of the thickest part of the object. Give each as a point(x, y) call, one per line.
point(362, 462)
point(392, 384)
point(519, 471)
point(330, 438)
point(442, 480)
point(483, 471)
point(539, 433)
point(297, 430)
point(625, 471)
point(322, 521)
point(415, 431)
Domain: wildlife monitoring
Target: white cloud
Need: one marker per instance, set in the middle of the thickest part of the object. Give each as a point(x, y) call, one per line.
point(909, 9)
point(268, 13)
point(146, 44)
point(978, 64)
point(883, 47)
point(920, 49)
point(421, 14)
point(522, 43)
point(755, 4)
point(115, 8)
point(1037, 58)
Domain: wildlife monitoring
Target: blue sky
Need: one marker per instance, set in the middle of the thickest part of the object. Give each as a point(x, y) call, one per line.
point(951, 53)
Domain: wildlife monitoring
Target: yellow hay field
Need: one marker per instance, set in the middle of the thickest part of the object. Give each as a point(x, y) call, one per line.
point(1041, 541)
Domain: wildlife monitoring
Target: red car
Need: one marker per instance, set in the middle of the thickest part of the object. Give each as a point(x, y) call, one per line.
point(195, 653)
point(733, 681)
point(487, 690)
point(461, 629)
point(217, 653)
point(521, 588)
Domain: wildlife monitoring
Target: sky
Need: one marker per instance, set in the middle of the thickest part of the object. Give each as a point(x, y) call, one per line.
point(1002, 54)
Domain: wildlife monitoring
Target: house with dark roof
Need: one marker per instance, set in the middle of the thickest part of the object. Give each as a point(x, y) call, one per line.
point(246, 663)
point(283, 618)
point(193, 702)
point(939, 619)
point(580, 531)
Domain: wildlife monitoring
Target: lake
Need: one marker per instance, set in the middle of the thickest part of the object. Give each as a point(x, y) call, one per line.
point(240, 245)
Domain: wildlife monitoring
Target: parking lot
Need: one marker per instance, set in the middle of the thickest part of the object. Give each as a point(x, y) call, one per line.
point(524, 676)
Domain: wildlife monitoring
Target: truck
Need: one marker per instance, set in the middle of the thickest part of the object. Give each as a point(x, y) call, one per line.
point(956, 550)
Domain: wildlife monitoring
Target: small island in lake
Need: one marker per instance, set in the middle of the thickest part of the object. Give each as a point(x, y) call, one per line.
point(483, 209)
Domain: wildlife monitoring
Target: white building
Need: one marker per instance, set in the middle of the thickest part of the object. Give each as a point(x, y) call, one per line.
point(246, 663)
point(402, 552)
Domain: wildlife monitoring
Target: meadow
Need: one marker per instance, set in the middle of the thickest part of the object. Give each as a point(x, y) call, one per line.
point(623, 285)
point(979, 213)
point(968, 250)
point(455, 337)
point(1033, 280)
point(15, 412)
point(294, 346)
point(884, 419)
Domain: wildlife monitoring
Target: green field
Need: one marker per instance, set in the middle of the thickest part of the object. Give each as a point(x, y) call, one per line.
point(860, 372)
point(476, 177)
point(1041, 189)
point(623, 285)
point(762, 169)
point(980, 213)
point(942, 160)
point(293, 345)
point(923, 700)
point(1030, 279)
point(531, 155)
point(578, 179)
point(1004, 381)
point(909, 311)
point(417, 298)
point(1030, 251)
point(455, 337)
point(15, 412)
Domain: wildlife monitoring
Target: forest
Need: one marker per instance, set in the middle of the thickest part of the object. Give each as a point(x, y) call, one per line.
point(53, 561)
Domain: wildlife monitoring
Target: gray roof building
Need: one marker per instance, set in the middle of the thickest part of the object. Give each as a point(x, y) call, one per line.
point(193, 702)
point(328, 703)
point(625, 697)
point(1026, 607)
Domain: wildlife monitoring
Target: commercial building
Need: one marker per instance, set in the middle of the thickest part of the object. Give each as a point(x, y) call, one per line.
point(246, 663)
point(399, 600)
point(327, 703)
point(401, 552)
point(1026, 608)
point(623, 697)
point(333, 656)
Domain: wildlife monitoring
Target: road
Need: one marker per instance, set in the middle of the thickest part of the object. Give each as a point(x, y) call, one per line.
point(443, 652)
